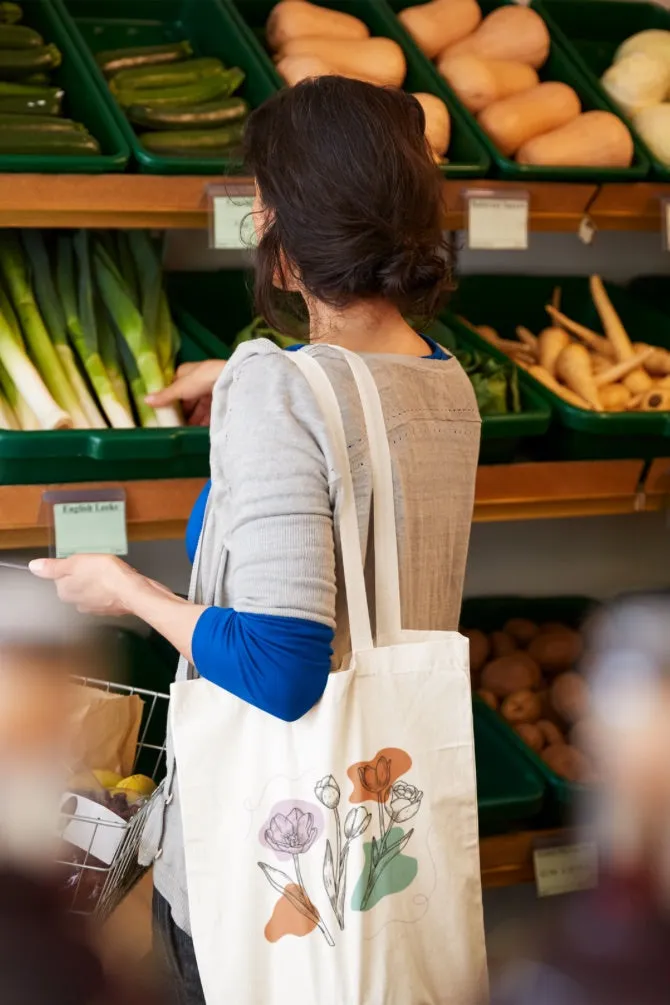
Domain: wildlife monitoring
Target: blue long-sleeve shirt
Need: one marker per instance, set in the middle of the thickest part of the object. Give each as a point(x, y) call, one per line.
point(278, 664)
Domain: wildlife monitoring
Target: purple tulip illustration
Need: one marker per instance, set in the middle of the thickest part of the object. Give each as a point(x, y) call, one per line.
point(293, 834)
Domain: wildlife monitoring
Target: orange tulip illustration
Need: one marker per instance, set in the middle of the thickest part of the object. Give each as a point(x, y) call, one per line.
point(376, 777)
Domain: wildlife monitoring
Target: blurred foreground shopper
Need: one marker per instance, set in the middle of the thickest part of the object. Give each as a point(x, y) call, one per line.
point(612, 946)
point(47, 955)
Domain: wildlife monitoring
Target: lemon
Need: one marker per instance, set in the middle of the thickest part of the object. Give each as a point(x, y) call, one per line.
point(141, 784)
point(108, 779)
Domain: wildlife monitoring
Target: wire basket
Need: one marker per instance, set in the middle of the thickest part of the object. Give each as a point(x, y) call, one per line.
point(92, 887)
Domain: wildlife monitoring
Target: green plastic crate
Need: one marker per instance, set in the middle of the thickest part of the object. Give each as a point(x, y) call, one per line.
point(507, 301)
point(654, 290)
point(592, 32)
point(467, 156)
point(510, 790)
point(82, 103)
point(98, 25)
point(220, 303)
point(490, 614)
point(559, 67)
point(80, 455)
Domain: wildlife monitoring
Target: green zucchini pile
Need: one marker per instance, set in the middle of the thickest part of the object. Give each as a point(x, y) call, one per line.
point(31, 119)
point(179, 105)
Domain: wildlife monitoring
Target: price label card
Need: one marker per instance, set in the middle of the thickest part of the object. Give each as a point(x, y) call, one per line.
point(232, 223)
point(92, 524)
point(566, 868)
point(497, 223)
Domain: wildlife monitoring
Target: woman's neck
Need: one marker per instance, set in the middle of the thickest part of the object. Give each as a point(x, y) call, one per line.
point(373, 326)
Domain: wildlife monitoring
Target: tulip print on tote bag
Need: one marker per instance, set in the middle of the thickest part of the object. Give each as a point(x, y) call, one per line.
point(335, 860)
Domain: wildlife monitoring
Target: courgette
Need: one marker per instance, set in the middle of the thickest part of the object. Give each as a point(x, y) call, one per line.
point(210, 113)
point(189, 71)
point(39, 123)
point(218, 85)
point(10, 13)
point(194, 142)
point(17, 104)
point(40, 143)
point(17, 63)
point(113, 60)
point(17, 36)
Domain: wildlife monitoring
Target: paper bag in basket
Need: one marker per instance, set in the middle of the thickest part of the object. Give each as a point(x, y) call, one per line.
point(106, 728)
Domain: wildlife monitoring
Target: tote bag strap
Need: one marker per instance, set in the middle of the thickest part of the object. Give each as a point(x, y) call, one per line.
point(387, 577)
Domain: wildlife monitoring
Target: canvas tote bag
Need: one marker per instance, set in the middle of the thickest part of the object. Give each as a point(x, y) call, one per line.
point(335, 860)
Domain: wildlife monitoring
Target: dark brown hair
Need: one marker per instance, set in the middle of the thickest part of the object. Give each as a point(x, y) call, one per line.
point(353, 197)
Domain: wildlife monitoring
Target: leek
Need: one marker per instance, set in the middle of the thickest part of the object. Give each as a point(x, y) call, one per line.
point(146, 414)
point(130, 324)
point(24, 413)
point(29, 383)
point(153, 302)
point(52, 313)
point(10, 317)
point(109, 354)
point(82, 329)
point(126, 265)
point(8, 419)
point(13, 267)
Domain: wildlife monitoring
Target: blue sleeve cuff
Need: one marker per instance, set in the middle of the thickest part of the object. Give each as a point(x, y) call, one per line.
point(277, 664)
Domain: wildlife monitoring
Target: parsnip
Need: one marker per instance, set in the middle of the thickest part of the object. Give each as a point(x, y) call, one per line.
point(658, 363)
point(615, 397)
point(551, 343)
point(526, 336)
point(565, 393)
point(621, 370)
point(590, 338)
point(637, 380)
point(656, 400)
point(600, 363)
point(573, 367)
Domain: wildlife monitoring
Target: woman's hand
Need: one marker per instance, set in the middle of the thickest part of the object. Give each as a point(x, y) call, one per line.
point(193, 385)
point(94, 584)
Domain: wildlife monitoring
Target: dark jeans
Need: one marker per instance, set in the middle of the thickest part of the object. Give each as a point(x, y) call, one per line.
point(175, 948)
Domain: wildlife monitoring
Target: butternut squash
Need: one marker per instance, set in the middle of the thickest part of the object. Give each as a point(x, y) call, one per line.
point(298, 18)
point(480, 82)
point(513, 121)
point(594, 139)
point(513, 32)
point(438, 123)
point(293, 69)
point(434, 26)
point(380, 60)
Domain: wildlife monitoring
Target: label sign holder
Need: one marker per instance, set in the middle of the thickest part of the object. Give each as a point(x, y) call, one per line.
point(565, 866)
point(497, 221)
point(231, 226)
point(86, 521)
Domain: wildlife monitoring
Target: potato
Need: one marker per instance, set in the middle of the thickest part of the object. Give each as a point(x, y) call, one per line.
point(550, 732)
point(508, 674)
point(522, 630)
point(489, 699)
point(570, 697)
point(480, 648)
point(554, 626)
point(522, 706)
point(531, 735)
point(556, 651)
point(502, 644)
point(567, 761)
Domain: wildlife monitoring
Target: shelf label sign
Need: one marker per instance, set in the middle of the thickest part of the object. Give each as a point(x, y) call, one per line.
point(566, 868)
point(231, 226)
point(497, 223)
point(93, 523)
point(665, 223)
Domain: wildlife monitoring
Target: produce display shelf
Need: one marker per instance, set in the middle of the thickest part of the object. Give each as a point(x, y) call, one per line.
point(657, 485)
point(629, 207)
point(507, 859)
point(159, 509)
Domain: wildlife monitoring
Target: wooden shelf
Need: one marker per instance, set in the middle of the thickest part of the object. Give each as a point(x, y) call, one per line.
point(657, 485)
point(554, 206)
point(629, 207)
point(507, 859)
point(158, 510)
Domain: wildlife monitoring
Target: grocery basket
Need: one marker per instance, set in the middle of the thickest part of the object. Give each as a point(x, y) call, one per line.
point(92, 887)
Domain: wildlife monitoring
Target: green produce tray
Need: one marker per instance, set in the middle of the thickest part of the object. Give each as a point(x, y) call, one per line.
point(82, 103)
point(490, 614)
point(219, 305)
point(592, 32)
point(510, 790)
point(559, 67)
point(98, 25)
point(80, 455)
point(654, 290)
point(467, 156)
point(507, 301)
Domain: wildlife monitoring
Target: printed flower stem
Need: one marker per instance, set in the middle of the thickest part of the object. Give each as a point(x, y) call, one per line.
point(321, 926)
point(338, 846)
point(382, 828)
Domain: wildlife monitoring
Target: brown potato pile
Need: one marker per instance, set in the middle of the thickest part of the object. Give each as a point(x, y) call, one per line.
point(525, 672)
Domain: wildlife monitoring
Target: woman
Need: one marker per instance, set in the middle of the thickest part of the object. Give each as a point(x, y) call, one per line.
point(347, 215)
